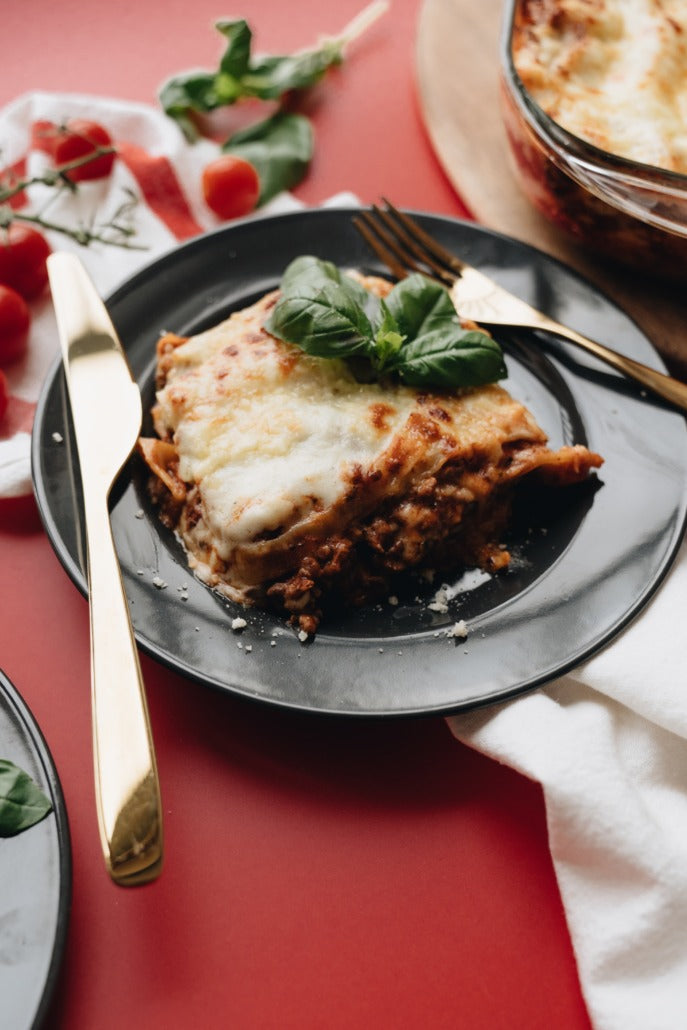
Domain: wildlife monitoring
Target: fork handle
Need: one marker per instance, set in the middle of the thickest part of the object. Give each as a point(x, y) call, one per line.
point(127, 788)
point(659, 383)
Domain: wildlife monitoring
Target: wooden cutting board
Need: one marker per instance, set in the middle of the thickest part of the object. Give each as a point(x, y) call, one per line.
point(457, 60)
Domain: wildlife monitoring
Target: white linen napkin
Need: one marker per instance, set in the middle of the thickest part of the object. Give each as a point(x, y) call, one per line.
point(161, 168)
point(607, 742)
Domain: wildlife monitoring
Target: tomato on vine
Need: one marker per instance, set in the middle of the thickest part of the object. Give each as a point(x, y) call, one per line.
point(23, 252)
point(231, 186)
point(77, 138)
point(15, 320)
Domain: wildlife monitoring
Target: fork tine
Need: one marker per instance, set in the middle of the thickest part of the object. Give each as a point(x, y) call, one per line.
point(418, 235)
point(407, 245)
point(370, 232)
point(395, 247)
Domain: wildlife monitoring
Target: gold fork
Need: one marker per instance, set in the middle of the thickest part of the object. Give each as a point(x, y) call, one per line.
point(405, 247)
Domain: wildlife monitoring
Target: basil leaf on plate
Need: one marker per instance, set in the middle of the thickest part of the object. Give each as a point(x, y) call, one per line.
point(324, 320)
point(449, 357)
point(437, 349)
point(309, 272)
point(280, 148)
point(22, 802)
point(419, 305)
point(413, 333)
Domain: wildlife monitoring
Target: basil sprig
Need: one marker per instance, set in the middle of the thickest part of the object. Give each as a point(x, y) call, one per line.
point(413, 333)
point(22, 802)
point(241, 75)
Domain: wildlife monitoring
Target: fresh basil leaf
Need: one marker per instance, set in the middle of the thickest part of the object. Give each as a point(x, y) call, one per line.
point(314, 273)
point(188, 93)
point(238, 75)
point(413, 333)
point(449, 358)
point(280, 148)
point(324, 320)
point(271, 77)
point(22, 802)
point(438, 350)
point(308, 269)
point(420, 305)
point(236, 58)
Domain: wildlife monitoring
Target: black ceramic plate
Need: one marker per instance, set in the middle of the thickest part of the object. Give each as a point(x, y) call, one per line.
point(583, 565)
point(35, 878)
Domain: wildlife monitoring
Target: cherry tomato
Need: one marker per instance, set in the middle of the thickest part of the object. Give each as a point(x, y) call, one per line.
point(44, 136)
point(4, 395)
point(15, 320)
point(23, 251)
point(77, 138)
point(231, 186)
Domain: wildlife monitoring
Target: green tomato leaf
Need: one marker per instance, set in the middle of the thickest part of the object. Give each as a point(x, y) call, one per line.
point(280, 148)
point(449, 357)
point(22, 802)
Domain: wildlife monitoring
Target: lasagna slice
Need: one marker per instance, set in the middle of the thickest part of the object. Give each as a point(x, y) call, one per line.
point(296, 487)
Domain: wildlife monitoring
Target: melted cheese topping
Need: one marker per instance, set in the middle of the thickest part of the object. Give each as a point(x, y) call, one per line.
point(279, 445)
point(613, 72)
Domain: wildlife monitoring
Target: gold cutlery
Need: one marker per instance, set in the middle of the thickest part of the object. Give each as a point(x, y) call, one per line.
point(106, 414)
point(405, 247)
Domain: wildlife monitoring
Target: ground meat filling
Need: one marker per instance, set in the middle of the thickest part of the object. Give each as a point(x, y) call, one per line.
point(443, 521)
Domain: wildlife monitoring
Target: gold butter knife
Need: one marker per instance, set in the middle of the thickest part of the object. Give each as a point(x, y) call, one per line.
point(106, 414)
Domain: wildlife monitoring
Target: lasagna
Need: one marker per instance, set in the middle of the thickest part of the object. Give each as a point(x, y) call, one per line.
point(613, 72)
point(294, 486)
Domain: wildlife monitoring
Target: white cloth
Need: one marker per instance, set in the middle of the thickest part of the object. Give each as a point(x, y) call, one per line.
point(156, 136)
point(607, 742)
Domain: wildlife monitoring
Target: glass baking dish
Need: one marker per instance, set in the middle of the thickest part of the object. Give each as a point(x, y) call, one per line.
point(632, 212)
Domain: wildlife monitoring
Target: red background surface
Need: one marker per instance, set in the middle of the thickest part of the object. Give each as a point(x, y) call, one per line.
point(319, 872)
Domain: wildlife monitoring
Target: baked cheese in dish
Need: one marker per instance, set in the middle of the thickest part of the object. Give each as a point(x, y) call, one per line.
point(296, 487)
point(613, 72)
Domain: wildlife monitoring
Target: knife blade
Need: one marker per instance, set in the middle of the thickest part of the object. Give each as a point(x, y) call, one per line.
point(106, 415)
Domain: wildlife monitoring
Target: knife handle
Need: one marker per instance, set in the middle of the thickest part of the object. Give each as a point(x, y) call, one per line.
point(127, 786)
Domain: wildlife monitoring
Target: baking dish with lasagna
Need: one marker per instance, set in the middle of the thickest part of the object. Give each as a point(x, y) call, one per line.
point(594, 100)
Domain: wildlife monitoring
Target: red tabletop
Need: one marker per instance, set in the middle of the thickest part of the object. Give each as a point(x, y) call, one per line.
point(318, 872)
